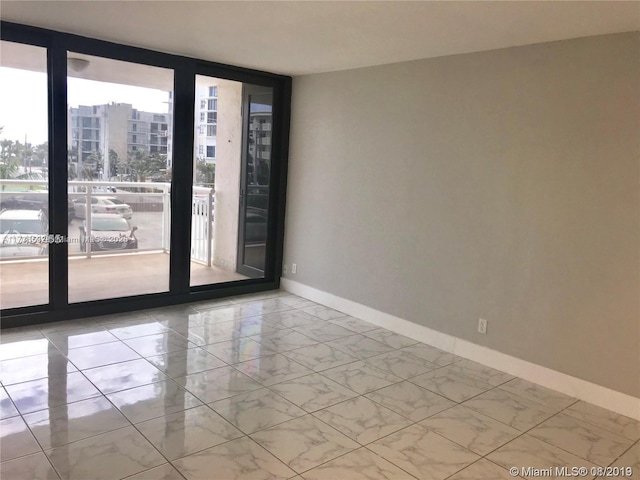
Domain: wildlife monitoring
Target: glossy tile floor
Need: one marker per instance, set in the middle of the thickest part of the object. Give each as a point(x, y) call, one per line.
point(273, 386)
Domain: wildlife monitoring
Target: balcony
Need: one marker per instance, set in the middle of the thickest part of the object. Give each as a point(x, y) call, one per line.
point(96, 274)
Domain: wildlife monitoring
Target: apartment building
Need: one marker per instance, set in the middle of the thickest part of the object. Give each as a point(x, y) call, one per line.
point(118, 127)
point(206, 123)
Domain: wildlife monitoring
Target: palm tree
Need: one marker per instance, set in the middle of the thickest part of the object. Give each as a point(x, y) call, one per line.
point(9, 158)
point(114, 163)
point(144, 164)
point(72, 165)
point(41, 154)
point(93, 165)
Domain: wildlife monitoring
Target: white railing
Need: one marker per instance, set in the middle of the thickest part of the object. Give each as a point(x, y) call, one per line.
point(202, 209)
point(202, 225)
point(159, 190)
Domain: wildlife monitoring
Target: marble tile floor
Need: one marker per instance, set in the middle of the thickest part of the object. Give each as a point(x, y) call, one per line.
point(274, 386)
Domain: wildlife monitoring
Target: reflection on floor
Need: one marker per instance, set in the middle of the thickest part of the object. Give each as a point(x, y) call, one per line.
point(273, 386)
point(26, 283)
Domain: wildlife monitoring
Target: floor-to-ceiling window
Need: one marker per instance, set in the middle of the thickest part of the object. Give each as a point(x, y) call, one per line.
point(24, 179)
point(155, 178)
point(120, 121)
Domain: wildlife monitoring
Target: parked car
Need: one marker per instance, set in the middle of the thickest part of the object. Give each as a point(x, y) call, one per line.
point(36, 200)
point(104, 189)
point(32, 176)
point(23, 233)
point(115, 200)
point(101, 205)
point(71, 210)
point(109, 231)
point(27, 201)
point(27, 250)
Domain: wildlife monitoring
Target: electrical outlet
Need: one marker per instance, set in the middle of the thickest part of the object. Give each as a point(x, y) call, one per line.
point(482, 325)
point(293, 268)
point(284, 269)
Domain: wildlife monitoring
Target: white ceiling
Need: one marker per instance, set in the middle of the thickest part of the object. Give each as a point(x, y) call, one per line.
point(305, 37)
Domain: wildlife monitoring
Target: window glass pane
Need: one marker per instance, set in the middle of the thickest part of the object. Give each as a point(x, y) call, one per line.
point(256, 180)
point(121, 245)
point(24, 166)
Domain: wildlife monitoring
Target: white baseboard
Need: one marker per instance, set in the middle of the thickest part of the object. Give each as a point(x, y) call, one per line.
point(581, 389)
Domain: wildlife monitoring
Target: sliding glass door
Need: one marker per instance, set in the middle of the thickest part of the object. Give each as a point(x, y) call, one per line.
point(232, 169)
point(255, 180)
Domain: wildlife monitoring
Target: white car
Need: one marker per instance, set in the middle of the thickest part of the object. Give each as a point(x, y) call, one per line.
point(109, 231)
point(23, 233)
point(101, 205)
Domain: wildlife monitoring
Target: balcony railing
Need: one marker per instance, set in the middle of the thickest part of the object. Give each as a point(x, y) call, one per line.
point(141, 197)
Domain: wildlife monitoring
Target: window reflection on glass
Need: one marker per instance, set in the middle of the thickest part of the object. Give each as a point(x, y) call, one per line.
point(257, 174)
point(24, 185)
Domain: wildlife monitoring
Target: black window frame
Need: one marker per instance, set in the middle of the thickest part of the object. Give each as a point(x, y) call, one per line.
point(184, 97)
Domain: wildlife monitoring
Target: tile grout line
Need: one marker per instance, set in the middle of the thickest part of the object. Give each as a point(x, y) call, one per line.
point(313, 372)
point(35, 439)
point(634, 444)
point(526, 432)
point(400, 429)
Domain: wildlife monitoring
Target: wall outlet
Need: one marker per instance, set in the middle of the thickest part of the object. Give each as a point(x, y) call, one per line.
point(293, 268)
point(284, 269)
point(482, 325)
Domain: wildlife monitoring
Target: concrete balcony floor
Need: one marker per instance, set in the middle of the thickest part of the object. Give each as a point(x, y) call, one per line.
point(24, 283)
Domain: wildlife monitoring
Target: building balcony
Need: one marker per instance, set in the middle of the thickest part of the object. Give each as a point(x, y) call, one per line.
point(99, 269)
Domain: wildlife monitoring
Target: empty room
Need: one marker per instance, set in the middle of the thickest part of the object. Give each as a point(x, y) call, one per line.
point(318, 240)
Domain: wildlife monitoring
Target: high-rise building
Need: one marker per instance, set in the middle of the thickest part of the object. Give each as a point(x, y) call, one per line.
point(96, 130)
point(207, 123)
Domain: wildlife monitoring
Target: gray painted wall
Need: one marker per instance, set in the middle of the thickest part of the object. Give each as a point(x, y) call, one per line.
point(501, 184)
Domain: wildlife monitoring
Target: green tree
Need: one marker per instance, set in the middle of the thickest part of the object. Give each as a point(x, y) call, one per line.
point(93, 166)
point(71, 170)
point(143, 164)
point(41, 154)
point(205, 173)
point(27, 152)
point(167, 175)
point(87, 172)
point(10, 152)
point(72, 163)
point(114, 164)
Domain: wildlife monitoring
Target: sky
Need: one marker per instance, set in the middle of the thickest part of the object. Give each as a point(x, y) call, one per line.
point(23, 101)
